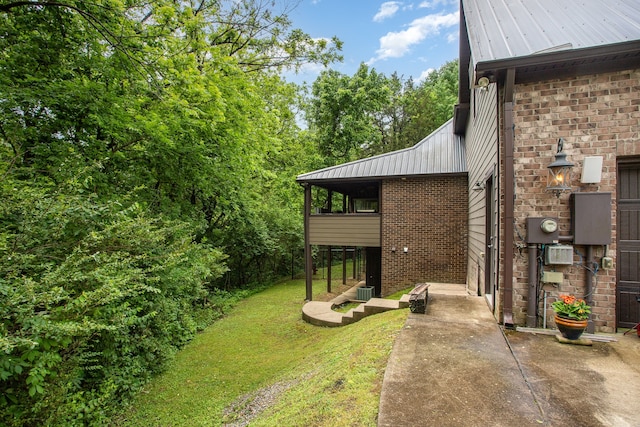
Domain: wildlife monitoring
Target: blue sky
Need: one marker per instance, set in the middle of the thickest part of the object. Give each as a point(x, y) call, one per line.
point(409, 37)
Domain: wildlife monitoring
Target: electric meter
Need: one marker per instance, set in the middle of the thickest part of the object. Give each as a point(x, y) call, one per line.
point(549, 225)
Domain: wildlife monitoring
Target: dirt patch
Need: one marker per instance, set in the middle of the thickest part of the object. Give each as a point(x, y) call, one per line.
point(247, 407)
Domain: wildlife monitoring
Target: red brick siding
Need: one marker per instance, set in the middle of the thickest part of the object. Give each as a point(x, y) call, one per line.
point(596, 115)
point(429, 217)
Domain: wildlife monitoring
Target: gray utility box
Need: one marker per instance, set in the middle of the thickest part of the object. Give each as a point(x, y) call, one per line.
point(364, 293)
point(591, 218)
point(535, 234)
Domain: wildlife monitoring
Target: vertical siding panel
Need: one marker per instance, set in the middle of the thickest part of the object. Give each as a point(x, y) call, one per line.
point(481, 144)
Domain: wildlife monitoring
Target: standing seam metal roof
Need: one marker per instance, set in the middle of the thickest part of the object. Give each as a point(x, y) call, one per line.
point(442, 152)
point(505, 29)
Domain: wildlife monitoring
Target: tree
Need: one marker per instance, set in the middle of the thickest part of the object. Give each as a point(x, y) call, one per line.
point(137, 144)
point(431, 104)
point(369, 114)
point(393, 119)
point(342, 109)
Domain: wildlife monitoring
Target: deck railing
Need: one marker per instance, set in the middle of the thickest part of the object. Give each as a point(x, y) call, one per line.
point(354, 229)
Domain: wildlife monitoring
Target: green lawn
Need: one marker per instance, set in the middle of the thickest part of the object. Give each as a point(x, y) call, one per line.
point(330, 376)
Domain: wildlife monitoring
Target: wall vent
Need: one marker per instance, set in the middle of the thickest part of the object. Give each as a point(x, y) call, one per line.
point(559, 254)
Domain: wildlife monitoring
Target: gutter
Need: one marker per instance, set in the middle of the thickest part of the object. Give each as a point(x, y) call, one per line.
point(509, 196)
point(626, 53)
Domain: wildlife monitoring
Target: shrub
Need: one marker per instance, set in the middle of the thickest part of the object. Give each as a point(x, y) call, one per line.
point(94, 299)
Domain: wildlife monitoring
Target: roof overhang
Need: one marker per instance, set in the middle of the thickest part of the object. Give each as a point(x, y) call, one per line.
point(460, 117)
point(549, 66)
point(563, 63)
point(363, 188)
point(366, 186)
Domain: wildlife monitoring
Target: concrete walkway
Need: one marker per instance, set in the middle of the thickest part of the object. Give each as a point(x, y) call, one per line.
point(453, 366)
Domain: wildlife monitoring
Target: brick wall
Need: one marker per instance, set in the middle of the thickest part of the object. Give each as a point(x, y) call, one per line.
point(428, 216)
point(596, 115)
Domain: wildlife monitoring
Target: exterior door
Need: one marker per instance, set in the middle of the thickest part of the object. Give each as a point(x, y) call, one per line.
point(628, 253)
point(374, 269)
point(491, 244)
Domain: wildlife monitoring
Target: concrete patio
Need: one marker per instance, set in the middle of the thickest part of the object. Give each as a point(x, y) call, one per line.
point(455, 366)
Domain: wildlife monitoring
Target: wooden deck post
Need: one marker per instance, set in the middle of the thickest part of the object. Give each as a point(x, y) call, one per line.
point(308, 260)
point(329, 261)
point(355, 250)
point(344, 265)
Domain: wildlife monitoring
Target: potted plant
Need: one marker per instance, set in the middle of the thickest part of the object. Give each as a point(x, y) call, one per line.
point(572, 316)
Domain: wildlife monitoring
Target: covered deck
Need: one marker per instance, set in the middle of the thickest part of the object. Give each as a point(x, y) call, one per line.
point(345, 204)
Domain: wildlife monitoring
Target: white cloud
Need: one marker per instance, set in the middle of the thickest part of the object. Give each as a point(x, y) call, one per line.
point(387, 10)
point(430, 4)
point(425, 74)
point(398, 44)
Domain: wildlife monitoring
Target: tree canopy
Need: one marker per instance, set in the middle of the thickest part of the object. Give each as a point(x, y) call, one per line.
point(370, 113)
point(137, 143)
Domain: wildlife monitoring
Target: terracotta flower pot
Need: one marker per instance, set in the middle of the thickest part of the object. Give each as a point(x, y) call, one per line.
point(569, 328)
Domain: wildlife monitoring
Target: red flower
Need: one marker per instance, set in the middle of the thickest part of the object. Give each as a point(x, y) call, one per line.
point(568, 299)
point(570, 307)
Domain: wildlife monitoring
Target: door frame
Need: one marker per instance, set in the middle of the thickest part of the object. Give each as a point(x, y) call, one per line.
point(627, 303)
point(491, 242)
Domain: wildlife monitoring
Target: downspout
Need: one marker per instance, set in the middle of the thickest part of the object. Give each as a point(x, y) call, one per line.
point(381, 208)
point(532, 297)
point(589, 286)
point(308, 260)
point(509, 195)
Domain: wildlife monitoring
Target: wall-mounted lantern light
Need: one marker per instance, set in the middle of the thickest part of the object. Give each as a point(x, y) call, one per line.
point(559, 177)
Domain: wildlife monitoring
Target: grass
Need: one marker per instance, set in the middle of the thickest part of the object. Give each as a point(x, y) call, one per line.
point(328, 376)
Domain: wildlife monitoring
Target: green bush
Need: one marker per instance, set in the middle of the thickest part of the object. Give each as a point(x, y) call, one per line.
point(95, 298)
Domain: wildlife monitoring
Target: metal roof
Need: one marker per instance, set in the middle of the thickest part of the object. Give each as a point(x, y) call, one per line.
point(543, 40)
point(503, 29)
point(442, 152)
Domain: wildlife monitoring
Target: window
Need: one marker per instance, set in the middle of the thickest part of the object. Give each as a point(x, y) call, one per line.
point(365, 205)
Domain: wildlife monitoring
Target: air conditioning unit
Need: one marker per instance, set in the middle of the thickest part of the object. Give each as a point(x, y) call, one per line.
point(364, 293)
point(558, 255)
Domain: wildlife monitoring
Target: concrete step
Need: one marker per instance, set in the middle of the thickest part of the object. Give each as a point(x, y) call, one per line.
point(359, 313)
point(380, 305)
point(321, 313)
point(404, 301)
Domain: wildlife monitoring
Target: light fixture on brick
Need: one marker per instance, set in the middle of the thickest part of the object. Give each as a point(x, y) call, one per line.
point(559, 177)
